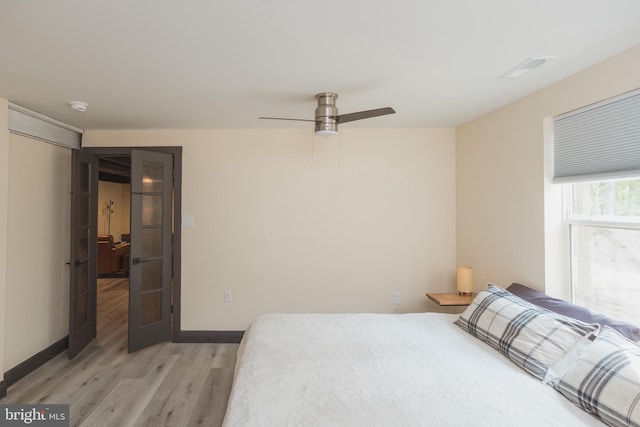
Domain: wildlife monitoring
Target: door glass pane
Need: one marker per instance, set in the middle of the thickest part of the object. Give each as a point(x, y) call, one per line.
point(152, 275)
point(81, 277)
point(82, 244)
point(151, 308)
point(81, 294)
point(81, 312)
point(152, 177)
point(85, 176)
point(151, 242)
point(82, 210)
point(151, 210)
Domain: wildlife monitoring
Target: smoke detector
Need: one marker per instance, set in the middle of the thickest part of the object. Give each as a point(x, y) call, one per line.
point(79, 106)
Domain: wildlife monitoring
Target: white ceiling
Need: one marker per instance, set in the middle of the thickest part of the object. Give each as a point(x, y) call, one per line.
point(221, 64)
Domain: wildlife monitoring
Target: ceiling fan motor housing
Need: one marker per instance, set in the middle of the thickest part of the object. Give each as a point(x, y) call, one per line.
point(326, 112)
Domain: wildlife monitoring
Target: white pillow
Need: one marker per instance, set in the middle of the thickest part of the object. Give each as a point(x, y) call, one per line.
point(562, 366)
point(605, 379)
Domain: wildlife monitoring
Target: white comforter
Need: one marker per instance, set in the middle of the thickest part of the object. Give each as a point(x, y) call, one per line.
point(383, 370)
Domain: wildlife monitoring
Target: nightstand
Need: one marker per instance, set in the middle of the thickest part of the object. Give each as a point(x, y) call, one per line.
point(451, 299)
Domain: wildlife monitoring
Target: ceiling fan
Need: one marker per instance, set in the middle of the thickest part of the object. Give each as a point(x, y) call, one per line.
point(327, 118)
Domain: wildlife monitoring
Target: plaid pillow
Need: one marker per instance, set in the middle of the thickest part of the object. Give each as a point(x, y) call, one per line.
point(531, 336)
point(605, 380)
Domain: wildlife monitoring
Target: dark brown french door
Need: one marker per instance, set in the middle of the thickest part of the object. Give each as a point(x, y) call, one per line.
point(84, 205)
point(151, 247)
point(151, 253)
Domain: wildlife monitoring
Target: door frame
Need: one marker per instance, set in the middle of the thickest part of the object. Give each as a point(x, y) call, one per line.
point(176, 151)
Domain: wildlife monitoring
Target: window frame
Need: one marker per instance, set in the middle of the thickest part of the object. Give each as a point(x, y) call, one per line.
point(570, 219)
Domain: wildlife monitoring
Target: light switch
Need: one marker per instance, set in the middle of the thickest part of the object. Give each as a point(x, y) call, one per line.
point(187, 221)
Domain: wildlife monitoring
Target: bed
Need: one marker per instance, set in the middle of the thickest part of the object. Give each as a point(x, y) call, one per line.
point(420, 369)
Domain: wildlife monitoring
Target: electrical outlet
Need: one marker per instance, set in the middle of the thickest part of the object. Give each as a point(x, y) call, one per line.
point(395, 298)
point(227, 296)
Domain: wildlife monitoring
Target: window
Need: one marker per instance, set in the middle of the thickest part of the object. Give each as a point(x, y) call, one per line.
point(603, 222)
point(596, 152)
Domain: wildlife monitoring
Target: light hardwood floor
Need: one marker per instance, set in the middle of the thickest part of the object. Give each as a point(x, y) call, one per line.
point(163, 385)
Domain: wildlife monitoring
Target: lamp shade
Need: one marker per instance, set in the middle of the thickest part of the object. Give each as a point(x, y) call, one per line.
point(464, 279)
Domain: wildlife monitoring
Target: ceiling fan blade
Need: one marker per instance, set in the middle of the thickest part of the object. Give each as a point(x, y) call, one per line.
point(283, 118)
point(350, 117)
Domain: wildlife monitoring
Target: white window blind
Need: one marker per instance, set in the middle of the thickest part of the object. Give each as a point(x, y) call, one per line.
point(23, 121)
point(598, 141)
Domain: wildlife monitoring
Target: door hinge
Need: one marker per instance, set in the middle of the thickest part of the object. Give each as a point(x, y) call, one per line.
point(171, 308)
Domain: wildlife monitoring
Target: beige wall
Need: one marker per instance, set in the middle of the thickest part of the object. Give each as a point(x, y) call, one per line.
point(37, 290)
point(292, 223)
point(503, 182)
point(4, 206)
point(120, 195)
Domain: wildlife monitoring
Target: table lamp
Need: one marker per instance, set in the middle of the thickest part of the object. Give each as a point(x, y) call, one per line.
point(464, 275)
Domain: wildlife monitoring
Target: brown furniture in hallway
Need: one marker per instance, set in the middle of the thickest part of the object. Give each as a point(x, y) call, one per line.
point(110, 255)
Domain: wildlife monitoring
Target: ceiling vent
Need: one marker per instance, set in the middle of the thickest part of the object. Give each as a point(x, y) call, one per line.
point(526, 67)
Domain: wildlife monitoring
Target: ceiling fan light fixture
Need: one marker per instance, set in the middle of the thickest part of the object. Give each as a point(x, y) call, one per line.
point(326, 133)
point(327, 119)
point(326, 113)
